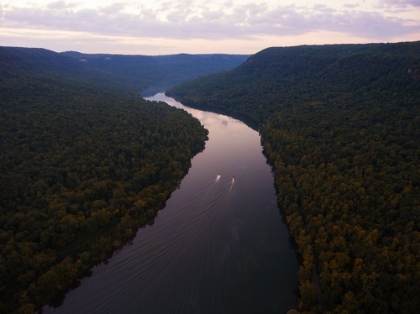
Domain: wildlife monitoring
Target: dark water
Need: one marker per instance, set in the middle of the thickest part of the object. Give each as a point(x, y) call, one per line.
point(219, 246)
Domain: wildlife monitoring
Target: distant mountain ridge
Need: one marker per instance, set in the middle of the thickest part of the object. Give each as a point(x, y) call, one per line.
point(156, 73)
point(133, 73)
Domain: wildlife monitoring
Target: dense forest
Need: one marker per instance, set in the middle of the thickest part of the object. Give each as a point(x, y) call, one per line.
point(82, 168)
point(340, 125)
point(156, 73)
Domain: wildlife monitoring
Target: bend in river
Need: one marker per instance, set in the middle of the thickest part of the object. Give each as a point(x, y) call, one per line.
point(219, 246)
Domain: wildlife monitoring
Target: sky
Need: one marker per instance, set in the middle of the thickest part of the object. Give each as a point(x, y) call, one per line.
point(161, 27)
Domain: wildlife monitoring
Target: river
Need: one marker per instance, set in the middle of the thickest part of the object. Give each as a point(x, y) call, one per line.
point(219, 245)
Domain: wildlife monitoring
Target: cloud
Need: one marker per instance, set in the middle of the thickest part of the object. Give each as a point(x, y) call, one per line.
point(187, 20)
point(402, 3)
point(350, 5)
point(113, 8)
point(58, 5)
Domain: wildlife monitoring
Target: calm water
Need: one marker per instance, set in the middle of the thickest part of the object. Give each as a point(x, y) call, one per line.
point(219, 246)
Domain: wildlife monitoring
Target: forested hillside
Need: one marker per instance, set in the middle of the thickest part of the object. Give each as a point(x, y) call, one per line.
point(82, 168)
point(340, 125)
point(157, 73)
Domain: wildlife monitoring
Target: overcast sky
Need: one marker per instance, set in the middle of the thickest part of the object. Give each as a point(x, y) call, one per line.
point(156, 27)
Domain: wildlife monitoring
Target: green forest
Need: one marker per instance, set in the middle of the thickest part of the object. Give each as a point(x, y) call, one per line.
point(84, 163)
point(340, 125)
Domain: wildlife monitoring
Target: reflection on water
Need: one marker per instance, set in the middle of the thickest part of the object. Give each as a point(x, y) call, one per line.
point(219, 246)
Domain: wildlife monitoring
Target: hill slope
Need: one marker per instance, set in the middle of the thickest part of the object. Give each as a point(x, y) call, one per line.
point(340, 125)
point(82, 166)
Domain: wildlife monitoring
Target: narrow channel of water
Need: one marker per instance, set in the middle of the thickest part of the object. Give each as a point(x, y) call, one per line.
point(219, 245)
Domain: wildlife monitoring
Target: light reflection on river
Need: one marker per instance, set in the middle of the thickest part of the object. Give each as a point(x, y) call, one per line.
point(217, 247)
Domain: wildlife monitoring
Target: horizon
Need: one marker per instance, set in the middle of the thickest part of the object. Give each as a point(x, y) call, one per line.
point(216, 53)
point(199, 27)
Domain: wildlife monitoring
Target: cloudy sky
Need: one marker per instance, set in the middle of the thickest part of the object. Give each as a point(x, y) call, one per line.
point(156, 27)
